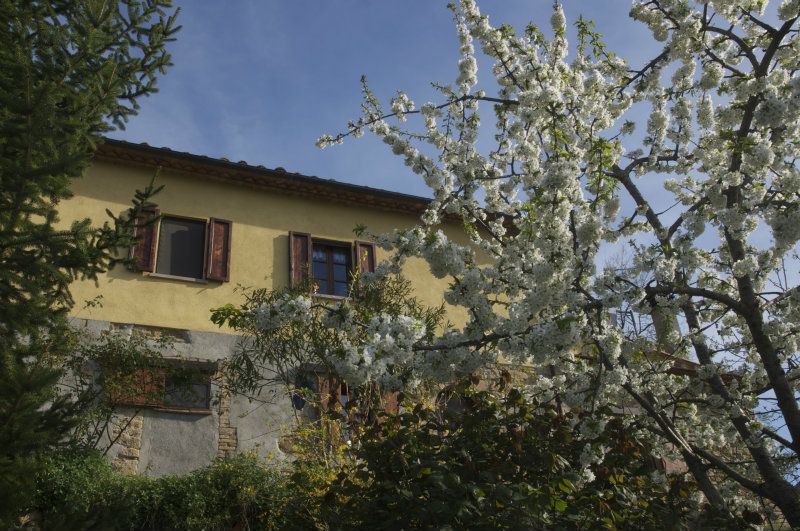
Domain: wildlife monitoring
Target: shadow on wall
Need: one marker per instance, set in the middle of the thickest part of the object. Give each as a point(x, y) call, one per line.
point(120, 272)
point(280, 262)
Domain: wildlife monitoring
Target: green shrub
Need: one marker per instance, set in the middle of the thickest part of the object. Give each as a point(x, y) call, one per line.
point(504, 462)
point(82, 491)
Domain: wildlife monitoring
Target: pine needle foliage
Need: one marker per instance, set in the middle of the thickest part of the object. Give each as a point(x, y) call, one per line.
point(70, 71)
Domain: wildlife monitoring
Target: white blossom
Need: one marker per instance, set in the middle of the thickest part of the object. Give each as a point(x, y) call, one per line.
point(287, 309)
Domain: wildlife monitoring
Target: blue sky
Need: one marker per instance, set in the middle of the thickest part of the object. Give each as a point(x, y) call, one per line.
point(260, 80)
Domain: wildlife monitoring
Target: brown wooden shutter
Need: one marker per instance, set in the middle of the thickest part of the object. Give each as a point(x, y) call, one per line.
point(143, 252)
point(391, 402)
point(299, 257)
point(364, 261)
point(218, 250)
point(328, 391)
point(152, 385)
point(142, 387)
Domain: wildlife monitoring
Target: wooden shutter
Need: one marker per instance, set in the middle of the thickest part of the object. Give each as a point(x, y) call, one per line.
point(391, 402)
point(328, 389)
point(364, 260)
point(143, 252)
point(299, 257)
point(218, 250)
point(142, 387)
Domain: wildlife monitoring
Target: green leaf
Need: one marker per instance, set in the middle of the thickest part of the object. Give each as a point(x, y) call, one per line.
point(559, 505)
point(566, 486)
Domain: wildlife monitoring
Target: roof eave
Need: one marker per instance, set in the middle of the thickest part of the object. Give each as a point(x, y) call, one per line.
point(259, 177)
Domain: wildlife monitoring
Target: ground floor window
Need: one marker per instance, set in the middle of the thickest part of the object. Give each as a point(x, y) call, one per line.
point(167, 384)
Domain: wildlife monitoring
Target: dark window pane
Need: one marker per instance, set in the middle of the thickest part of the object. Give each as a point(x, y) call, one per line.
point(340, 273)
point(340, 288)
point(181, 247)
point(190, 395)
point(320, 253)
point(320, 271)
point(305, 388)
point(331, 278)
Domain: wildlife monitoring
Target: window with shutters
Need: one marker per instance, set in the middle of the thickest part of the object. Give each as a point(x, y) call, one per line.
point(317, 392)
point(167, 385)
point(327, 265)
point(331, 270)
point(182, 248)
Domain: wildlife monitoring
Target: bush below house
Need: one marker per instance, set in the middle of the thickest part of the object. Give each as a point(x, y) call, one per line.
point(82, 491)
point(486, 461)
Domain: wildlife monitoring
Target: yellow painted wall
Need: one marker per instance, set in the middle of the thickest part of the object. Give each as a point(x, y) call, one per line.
point(259, 254)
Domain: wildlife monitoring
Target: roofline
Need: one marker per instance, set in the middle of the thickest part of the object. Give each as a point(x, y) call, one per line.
point(260, 177)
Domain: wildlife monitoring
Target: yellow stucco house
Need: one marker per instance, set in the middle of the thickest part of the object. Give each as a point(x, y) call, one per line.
point(223, 224)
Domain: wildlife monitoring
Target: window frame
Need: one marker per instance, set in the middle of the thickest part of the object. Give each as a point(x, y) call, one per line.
point(216, 250)
point(157, 246)
point(361, 256)
point(349, 265)
point(316, 391)
point(155, 375)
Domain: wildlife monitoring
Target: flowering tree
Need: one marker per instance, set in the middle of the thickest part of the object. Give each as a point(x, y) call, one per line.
point(286, 332)
point(714, 257)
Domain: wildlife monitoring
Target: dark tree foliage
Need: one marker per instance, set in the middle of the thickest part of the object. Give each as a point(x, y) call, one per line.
point(498, 460)
point(69, 72)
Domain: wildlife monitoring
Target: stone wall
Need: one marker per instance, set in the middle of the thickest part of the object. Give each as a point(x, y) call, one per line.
point(126, 430)
point(157, 442)
point(228, 439)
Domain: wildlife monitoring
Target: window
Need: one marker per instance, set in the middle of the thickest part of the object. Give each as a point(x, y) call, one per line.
point(329, 265)
point(317, 391)
point(182, 247)
point(166, 385)
point(183, 393)
point(331, 268)
point(320, 391)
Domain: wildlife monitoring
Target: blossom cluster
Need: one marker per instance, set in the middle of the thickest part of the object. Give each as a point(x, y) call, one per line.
point(387, 347)
point(287, 309)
